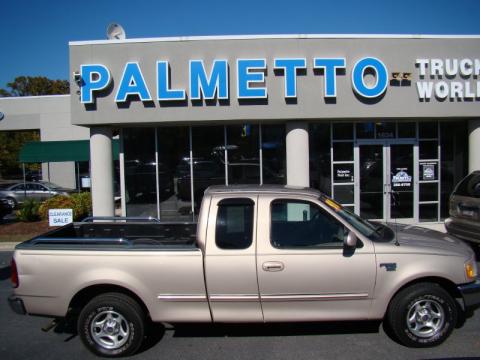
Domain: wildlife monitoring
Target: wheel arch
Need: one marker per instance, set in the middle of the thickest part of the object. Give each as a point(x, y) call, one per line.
point(82, 297)
point(449, 286)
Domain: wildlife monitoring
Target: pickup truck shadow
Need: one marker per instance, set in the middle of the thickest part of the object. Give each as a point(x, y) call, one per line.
point(5, 273)
point(280, 329)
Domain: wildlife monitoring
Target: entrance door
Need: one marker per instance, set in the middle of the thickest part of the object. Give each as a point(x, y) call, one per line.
point(386, 186)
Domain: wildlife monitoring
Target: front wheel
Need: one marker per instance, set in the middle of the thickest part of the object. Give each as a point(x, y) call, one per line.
point(422, 315)
point(112, 325)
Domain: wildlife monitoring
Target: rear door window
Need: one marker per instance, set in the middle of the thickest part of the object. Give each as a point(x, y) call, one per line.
point(234, 225)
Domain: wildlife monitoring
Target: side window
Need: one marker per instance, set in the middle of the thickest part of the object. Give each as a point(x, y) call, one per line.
point(18, 188)
point(301, 224)
point(470, 186)
point(234, 227)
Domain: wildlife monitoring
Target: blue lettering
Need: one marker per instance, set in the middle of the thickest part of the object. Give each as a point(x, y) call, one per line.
point(132, 83)
point(201, 85)
point(358, 74)
point(290, 67)
point(95, 77)
point(164, 93)
point(245, 77)
point(329, 67)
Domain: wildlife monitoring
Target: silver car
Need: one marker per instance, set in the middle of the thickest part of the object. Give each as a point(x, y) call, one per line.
point(17, 193)
point(464, 220)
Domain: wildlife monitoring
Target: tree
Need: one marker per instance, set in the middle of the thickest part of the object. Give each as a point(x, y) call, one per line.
point(34, 86)
point(11, 143)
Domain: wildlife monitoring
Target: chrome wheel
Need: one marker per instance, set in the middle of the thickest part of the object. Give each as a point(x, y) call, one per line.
point(110, 329)
point(425, 318)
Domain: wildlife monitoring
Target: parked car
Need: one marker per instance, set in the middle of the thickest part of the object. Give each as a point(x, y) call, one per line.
point(259, 254)
point(464, 220)
point(5, 208)
point(17, 193)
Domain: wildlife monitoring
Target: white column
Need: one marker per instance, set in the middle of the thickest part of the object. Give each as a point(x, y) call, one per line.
point(101, 171)
point(297, 153)
point(473, 145)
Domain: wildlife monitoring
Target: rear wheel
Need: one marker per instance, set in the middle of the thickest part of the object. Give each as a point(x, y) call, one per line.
point(422, 315)
point(112, 325)
point(11, 202)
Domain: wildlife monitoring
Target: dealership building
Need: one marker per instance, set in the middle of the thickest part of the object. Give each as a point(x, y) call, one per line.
point(386, 125)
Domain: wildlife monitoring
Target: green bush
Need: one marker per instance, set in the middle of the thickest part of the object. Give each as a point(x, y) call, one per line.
point(28, 212)
point(80, 203)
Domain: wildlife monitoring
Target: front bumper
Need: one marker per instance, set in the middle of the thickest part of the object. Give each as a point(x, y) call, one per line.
point(16, 305)
point(471, 294)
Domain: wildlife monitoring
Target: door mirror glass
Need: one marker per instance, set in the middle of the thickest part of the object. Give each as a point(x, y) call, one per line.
point(351, 240)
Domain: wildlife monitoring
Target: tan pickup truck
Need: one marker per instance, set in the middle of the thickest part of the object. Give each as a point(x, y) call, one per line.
point(258, 254)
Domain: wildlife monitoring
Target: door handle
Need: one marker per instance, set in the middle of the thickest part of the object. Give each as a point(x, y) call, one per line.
point(273, 266)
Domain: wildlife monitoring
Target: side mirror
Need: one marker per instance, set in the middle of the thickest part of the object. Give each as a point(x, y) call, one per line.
point(351, 240)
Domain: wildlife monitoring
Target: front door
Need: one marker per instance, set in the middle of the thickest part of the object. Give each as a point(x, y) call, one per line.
point(386, 185)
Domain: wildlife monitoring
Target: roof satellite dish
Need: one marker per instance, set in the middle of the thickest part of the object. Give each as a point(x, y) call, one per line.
point(115, 32)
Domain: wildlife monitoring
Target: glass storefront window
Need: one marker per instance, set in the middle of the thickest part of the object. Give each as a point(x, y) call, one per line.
point(365, 130)
point(343, 151)
point(385, 130)
point(140, 175)
point(243, 154)
point(428, 149)
point(173, 157)
point(428, 130)
point(342, 131)
point(428, 212)
point(208, 148)
point(274, 154)
point(319, 147)
point(407, 130)
point(343, 194)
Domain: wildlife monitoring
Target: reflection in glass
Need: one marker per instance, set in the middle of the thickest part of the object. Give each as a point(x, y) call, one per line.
point(402, 181)
point(428, 191)
point(319, 146)
point(365, 130)
point(428, 212)
point(454, 167)
point(140, 176)
point(371, 181)
point(208, 145)
point(427, 130)
point(173, 152)
point(243, 154)
point(273, 154)
point(385, 130)
point(343, 194)
point(343, 151)
point(342, 131)
point(428, 149)
point(407, 130)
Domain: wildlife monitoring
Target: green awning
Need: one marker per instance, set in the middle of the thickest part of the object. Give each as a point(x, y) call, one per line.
point(57, 151)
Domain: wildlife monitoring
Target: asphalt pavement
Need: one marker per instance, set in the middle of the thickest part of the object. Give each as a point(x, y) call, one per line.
point(21, 338)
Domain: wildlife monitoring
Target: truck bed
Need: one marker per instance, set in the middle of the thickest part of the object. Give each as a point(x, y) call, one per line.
point(109, 235)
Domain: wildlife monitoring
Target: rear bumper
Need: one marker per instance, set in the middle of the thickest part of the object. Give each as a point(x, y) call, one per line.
point(471, 294)
point(16, 305)
point(463, 229)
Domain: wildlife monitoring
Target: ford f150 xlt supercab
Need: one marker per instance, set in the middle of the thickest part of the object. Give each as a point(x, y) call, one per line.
point(257, 254)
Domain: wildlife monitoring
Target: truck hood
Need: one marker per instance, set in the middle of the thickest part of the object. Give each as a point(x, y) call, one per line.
point(417, 239)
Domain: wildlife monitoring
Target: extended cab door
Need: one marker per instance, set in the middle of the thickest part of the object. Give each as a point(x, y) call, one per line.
point(304, 271)
point(230, 264)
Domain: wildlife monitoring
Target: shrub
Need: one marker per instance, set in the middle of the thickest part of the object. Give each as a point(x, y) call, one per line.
point(80, 203)
point(28, 212)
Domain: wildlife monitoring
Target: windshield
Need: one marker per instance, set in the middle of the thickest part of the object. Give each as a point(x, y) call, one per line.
point(363, 226)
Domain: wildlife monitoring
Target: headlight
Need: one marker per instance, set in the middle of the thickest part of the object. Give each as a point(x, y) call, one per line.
point(471, 270)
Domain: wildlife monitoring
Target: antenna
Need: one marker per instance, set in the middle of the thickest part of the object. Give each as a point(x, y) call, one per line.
point(115, 32)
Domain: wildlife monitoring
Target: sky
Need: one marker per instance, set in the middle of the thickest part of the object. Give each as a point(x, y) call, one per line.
point(34, 34)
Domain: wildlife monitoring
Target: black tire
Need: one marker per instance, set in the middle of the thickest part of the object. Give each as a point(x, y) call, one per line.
point(422, 315)
point(117, 316)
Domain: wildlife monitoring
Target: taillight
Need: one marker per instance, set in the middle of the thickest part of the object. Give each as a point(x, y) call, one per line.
point(14, 276)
